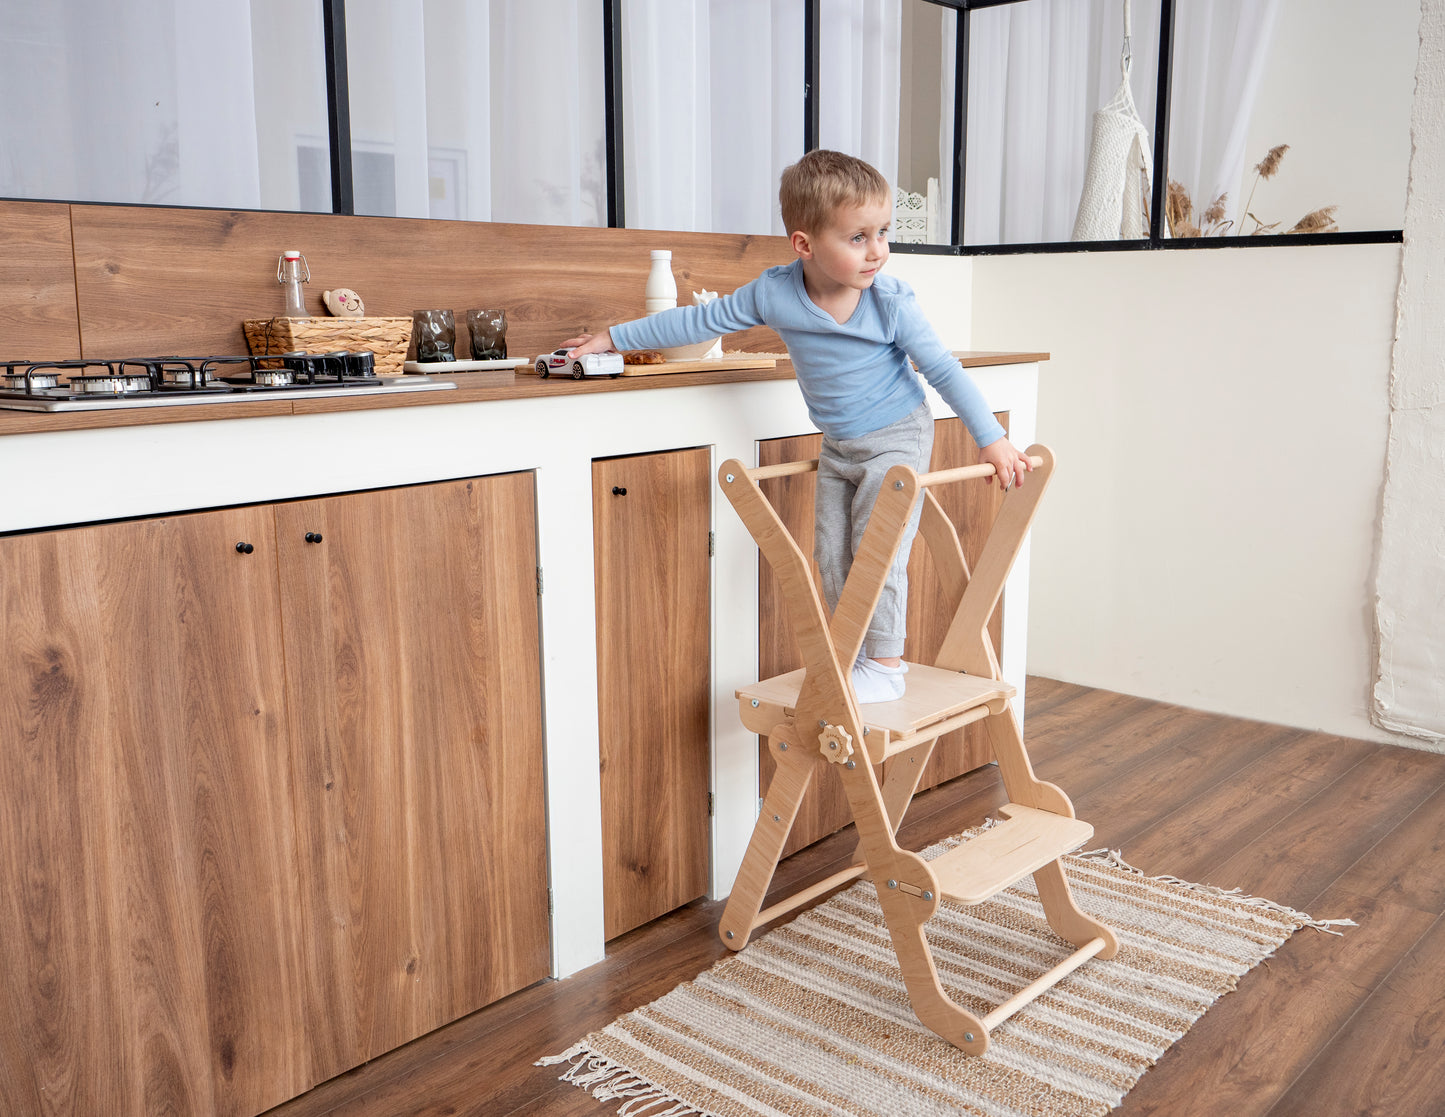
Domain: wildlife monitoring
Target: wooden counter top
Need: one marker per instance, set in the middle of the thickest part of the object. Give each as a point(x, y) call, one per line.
point(472, 387)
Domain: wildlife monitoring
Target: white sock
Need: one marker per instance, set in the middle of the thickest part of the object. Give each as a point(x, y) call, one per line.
point(873, 682)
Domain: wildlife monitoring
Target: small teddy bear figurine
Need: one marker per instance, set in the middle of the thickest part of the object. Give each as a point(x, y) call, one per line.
point(343, 302)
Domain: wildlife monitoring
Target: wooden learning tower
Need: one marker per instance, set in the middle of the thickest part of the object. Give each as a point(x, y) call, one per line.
point(813, 723)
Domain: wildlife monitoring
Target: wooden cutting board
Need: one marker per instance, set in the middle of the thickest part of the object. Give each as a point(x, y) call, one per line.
point(712, 364)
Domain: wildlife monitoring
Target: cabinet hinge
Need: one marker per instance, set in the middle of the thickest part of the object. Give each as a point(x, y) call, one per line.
point(550, 909)
point(709, 804)
point(709, 544)
point(539, 581)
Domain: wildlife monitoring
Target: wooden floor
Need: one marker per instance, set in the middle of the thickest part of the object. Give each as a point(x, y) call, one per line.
point(1347, 1025)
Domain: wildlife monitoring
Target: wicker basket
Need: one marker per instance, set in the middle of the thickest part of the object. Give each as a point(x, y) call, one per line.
point(387, 338)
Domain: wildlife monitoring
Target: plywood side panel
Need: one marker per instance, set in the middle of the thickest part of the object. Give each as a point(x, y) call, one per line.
point(650, 518)
point(37, 283)
point(158, 280)
point(415, 698)
point(825, 807)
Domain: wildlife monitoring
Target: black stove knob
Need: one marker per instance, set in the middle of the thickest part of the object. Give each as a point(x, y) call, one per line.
point(244, 548)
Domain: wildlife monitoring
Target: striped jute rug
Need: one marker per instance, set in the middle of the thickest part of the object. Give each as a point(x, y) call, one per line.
point(812, 1018)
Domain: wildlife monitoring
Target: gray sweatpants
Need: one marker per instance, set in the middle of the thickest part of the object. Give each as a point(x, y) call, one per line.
point(850, 473)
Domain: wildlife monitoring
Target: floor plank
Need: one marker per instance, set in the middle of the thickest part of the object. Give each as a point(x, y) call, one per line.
point(1346, 1025)
point(1399, 1032)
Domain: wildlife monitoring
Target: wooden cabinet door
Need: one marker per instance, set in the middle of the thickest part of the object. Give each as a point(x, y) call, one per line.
point(146, 829)
point(651, 517)
point(971, 506)
point(412, 662)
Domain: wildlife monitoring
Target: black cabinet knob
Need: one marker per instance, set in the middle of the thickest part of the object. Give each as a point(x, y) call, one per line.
point(313, 537)
point(244, 548)
point(618, 490)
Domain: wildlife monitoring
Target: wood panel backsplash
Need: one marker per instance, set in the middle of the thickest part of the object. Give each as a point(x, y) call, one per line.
point(146, 280)
point(37, 283)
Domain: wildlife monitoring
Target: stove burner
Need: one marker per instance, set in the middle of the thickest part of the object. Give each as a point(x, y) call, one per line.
point(113, 384)
point(41, 385)
point(27, 380)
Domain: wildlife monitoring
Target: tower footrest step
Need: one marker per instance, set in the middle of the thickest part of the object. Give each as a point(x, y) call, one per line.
point(1024, 842)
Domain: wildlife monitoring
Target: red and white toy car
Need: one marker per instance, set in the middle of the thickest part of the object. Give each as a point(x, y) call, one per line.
point(593, 364)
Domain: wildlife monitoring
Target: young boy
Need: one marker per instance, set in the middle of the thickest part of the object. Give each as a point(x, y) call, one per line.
point(850, 334)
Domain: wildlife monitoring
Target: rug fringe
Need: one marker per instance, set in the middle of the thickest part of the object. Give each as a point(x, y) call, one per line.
point(1113, 858)
point(608, 1081)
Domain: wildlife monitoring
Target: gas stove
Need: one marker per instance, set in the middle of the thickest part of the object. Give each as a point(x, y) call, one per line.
point(93, 384)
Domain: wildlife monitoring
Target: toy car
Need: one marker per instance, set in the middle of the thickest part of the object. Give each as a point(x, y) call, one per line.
point(593, 364)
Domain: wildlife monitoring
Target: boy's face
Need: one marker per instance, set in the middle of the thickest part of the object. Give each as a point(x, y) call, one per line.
point(851, 251)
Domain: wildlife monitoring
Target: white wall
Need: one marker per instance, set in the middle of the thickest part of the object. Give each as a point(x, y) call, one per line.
point(1337, 89)
point(944, 286)
point(1221, 419)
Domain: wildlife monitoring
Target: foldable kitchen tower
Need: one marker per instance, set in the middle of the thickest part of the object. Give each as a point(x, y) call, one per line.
point(813, 724)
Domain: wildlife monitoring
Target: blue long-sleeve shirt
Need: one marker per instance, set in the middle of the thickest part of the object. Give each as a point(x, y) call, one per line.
point(855, 376)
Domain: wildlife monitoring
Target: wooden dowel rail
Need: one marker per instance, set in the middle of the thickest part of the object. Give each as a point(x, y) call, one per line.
point(1043, 984)
point(963, 473)
point(938, 729)
point(798, 899)
point(939, 477)
point(783, 469)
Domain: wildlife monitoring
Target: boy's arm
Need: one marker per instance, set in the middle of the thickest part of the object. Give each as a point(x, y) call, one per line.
point(944, 371)
point(682, 325)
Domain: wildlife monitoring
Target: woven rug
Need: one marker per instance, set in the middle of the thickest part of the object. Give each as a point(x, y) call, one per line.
point(813, 1019)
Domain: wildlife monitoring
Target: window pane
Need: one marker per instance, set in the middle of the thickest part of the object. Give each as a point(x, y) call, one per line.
point(477, 110)
point(1333, 82)
point(712, 111)
point(166, 103)
point(925, 125)
point(859, 63)
point(1038, 72)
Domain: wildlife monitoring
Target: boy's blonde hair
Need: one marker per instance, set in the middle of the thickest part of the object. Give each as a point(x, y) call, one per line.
point(821, 182)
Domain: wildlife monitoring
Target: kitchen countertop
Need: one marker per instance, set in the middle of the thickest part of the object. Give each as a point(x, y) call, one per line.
point(148, 462)
point(472, 387)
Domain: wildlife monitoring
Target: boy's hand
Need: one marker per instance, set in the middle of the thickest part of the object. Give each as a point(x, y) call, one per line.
point(1009, 463)
point(589, 343)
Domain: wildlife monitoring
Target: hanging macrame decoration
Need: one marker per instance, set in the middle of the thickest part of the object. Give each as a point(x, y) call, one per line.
point(1114, 204)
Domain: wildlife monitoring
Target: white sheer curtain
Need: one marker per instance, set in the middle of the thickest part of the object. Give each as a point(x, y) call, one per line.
point(713, 103)
point(154, 101)
point(859, 50)
point(483, 110)
point(1037, 71)
point(712, 111)
point(1220, 50)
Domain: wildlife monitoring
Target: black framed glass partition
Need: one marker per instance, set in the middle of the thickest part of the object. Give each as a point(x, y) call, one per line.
point(1239, 121)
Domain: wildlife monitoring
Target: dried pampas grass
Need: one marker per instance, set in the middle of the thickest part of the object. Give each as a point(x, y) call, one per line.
point(1317, 221)
point(1179, 209)
point(1267, 166)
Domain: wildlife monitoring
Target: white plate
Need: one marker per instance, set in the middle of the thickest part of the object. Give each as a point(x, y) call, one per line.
point(433, 367)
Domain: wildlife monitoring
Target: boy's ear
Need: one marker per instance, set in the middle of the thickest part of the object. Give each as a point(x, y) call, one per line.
point(801, 245)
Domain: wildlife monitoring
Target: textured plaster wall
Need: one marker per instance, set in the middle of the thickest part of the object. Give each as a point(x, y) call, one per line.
point(1409, 694)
